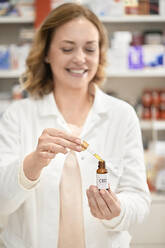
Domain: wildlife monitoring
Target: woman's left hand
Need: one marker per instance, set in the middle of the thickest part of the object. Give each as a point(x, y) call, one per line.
point(103, 203)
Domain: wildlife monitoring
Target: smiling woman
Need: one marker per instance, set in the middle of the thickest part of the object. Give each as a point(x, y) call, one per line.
point(89, 41)
point(47, 187)
point(74, 53)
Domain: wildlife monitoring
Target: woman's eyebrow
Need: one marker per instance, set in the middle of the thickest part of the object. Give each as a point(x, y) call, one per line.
point(68, 41)
point(92, 41)
point(72, 42)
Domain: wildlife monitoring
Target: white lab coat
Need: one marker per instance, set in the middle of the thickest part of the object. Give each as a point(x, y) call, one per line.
point(112, 130)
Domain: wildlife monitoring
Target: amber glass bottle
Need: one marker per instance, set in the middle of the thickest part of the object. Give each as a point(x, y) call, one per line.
point(102, 176)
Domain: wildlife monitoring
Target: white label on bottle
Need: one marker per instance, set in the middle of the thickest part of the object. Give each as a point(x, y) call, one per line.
point(102, 181)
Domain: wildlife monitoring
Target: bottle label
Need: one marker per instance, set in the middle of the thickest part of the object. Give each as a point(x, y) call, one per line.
point(102, 181)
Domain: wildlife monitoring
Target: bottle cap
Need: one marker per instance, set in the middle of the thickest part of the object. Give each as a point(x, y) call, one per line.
point(84, 145)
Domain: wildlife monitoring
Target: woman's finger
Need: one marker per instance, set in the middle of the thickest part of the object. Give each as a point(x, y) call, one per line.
point(64, 143)
point(47, 155)
point(111, 201)
point(59, 133)
point(105, 211)
point(52, 148)
point(93, 205)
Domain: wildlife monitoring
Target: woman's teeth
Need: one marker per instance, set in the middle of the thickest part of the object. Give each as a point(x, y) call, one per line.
point(77, 71)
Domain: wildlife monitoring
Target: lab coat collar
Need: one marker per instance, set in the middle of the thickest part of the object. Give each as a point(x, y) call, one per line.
point(101, 102)
point(47, 105)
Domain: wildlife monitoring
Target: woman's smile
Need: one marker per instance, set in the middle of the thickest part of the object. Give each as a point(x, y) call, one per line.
point(77, 72)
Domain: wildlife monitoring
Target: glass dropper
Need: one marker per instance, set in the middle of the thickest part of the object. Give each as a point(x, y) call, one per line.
point(87, 147)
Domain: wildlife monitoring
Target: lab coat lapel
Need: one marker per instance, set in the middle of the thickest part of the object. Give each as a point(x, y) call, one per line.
point(99, 112)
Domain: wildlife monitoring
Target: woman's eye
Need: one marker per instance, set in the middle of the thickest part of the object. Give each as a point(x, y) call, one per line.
point(90, 50)
point(67, 50)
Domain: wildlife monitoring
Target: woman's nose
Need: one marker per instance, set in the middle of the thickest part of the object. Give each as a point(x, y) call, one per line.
point(79, 57)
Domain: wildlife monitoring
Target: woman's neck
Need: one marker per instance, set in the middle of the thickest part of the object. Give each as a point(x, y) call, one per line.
point(74, 105)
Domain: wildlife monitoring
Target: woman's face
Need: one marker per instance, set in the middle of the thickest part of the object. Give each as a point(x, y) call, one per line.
point(74, 53)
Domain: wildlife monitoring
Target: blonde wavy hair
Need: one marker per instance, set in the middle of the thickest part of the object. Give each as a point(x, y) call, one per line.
point(37, 79)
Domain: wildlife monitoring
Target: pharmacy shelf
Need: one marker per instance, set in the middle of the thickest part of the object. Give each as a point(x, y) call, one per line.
point(132, 19)
point(158, 197)
point(152, 125)
point(137, 73)
point(10, 73)
point(119, 19)
point(15, 19)
point(134, 73)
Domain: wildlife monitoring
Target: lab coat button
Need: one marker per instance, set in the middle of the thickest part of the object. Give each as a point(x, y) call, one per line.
point(82, 158)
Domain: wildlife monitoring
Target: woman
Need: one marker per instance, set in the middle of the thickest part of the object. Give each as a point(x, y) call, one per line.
point(47, 182)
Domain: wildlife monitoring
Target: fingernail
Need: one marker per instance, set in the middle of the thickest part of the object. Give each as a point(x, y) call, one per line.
point(79, 148)
point(94, 190)
point(102, 191)
point(78, 141)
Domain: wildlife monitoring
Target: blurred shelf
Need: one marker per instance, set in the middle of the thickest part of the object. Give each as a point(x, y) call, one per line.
point(149, 125)
point(146, 125)
point(133, 18)
point(15, 19)
point(116, 74)
point(137, 73)
point(158, 197)
point(10, 73)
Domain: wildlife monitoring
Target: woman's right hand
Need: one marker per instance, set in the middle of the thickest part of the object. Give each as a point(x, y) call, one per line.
point(51, 142)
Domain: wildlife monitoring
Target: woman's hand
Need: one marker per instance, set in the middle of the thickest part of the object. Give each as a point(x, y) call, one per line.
point(103, 204)
point(51, 142)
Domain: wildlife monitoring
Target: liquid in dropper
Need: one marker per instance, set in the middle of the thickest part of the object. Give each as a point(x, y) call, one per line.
point(98, 157)
point(85, 146)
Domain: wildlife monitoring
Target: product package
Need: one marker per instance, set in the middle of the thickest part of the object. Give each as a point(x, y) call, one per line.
point(106, 7)
point(144, 8)
point(154, 7)
point(131, 7)
point(135, 57)
point(4, 58)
